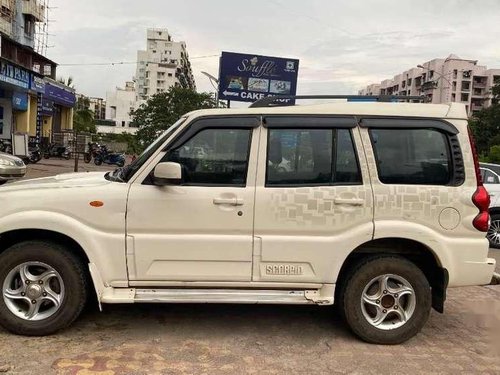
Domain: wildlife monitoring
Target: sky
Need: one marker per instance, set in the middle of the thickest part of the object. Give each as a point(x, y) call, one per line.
point(342, 45)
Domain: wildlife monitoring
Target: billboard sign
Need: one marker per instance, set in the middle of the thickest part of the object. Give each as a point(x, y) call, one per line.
point(247, 78)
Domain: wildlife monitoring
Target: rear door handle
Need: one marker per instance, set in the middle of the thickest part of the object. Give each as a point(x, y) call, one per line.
point(349, 201)
point(229, 201)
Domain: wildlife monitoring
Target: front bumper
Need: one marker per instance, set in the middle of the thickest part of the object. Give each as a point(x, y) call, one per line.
point(9, 173)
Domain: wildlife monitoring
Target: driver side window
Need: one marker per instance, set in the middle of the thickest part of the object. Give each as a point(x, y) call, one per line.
point(216, 157)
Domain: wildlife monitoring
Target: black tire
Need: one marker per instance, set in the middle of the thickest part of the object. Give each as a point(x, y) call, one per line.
point(46, 156)
point(361, 275)
point(494, 238)
point(72, 272)
point(121, 163)
point(67, 156)
point(87, 157)
point(97, 161)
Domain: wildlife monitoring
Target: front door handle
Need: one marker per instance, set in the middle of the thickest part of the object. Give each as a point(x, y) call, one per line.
point(229, 201)
point(349, 201)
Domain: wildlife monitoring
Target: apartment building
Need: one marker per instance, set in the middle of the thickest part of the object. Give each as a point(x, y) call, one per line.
point(163, 64)
point(96, 105)
point(32, 102)
point(119, 104)
point(452, 79)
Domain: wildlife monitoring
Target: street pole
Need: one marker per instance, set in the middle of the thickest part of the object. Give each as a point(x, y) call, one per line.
point(215, 84)
point(75, 150)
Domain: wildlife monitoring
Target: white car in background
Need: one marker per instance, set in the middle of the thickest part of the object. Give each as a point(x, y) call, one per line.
point(11, 167)
point(491, 179)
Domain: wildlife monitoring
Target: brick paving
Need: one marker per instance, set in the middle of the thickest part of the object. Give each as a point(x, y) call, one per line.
point(255, 339)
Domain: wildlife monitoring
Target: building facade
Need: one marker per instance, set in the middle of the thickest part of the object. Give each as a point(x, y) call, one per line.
point(442, 81)
point(94, 104)
point(163, 64)
point(31, 101)
point(119, 104)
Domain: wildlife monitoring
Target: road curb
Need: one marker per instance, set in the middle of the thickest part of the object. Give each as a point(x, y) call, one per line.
point(495, 280)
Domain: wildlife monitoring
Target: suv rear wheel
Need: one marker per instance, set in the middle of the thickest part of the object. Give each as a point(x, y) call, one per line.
point(43, 288)
point(385, 299)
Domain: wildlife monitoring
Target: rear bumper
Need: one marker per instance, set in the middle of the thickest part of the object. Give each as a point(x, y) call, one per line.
point(474, 273)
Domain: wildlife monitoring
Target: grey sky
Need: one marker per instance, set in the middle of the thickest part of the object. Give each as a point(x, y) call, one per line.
point(342, 44)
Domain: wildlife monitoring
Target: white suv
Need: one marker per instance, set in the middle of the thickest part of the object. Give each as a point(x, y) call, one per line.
point(376, 206)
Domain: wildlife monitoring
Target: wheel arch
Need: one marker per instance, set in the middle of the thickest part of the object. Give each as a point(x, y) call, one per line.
point(416, 252)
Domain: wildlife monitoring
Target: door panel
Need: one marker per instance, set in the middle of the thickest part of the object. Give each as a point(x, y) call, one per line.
point(306, 232)
point(197, 233)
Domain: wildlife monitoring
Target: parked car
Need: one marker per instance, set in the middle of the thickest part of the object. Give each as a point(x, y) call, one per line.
point(11, 167)
point(491, 179)
point(380, 209)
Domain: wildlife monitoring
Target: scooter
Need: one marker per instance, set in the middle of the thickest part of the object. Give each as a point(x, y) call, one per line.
point(34, 154)
point(92, 152)
point(111, 158)
point(55, 150)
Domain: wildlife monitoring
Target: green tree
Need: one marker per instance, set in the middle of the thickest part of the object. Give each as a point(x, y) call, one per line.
point(486, 124)
point(84, 121)
point(68, 82)
point(164, 109)
point(494, 154)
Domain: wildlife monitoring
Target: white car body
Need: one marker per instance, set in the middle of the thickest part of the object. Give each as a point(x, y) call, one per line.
point(148, 243)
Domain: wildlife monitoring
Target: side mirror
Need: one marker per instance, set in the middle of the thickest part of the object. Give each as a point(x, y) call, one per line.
point(168, 173)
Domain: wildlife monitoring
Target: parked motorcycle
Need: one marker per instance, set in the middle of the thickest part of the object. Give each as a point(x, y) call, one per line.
point(5, 146)
point(111, 158)
point(35, 155)
point(92, 152)
point(57, 150)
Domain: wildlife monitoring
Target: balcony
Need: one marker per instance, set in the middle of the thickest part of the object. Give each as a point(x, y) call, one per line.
point(33, 8)
point(5, 26)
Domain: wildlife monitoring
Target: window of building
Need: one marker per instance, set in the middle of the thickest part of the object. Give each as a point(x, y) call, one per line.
point(466, 73)
point(455, 74)
point(465, 86)
point(431, 74)
point(170, 74)
point(454, 85)
point(28, 27)
point(123, 124)
point(453, 97)
point(154, 51)
point(306, 157)
point(464, 97)
point(214, 157)
point(412, 156)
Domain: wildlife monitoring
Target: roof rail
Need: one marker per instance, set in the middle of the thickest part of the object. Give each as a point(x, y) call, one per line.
point(281, 100)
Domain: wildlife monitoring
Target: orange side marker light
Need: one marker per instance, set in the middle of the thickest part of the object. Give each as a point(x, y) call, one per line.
point(96, 204)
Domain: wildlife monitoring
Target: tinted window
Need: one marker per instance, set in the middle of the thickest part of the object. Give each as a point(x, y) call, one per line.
point(412, 156)
point(214, 157)
point(310, 157)
point(489, 177)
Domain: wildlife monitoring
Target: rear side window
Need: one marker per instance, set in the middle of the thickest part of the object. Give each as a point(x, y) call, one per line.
point(309, 157)
point(412, 156)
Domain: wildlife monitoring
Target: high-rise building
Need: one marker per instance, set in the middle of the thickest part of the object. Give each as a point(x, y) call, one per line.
point(96, 105)
point(442, 81)
point(163, 64)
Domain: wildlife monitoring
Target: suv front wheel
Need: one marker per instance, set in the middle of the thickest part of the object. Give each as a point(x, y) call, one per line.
point(386, 299)
point(43, 288)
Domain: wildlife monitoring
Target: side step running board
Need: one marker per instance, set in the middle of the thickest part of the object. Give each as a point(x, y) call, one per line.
point(223, 296)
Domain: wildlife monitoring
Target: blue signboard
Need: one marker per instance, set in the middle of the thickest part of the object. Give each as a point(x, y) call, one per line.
point(19, 101)
point(37, 84)
point(47, 107)
point(14, 75)
point(59, 95)
point(247, 78)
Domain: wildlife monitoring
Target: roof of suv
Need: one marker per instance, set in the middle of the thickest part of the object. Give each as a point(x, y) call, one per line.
point(451, 111)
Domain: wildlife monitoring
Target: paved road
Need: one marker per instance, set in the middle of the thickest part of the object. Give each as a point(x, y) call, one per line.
point(256, 339)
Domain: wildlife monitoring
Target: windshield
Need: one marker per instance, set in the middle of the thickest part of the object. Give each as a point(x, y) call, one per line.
point(124, 174)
